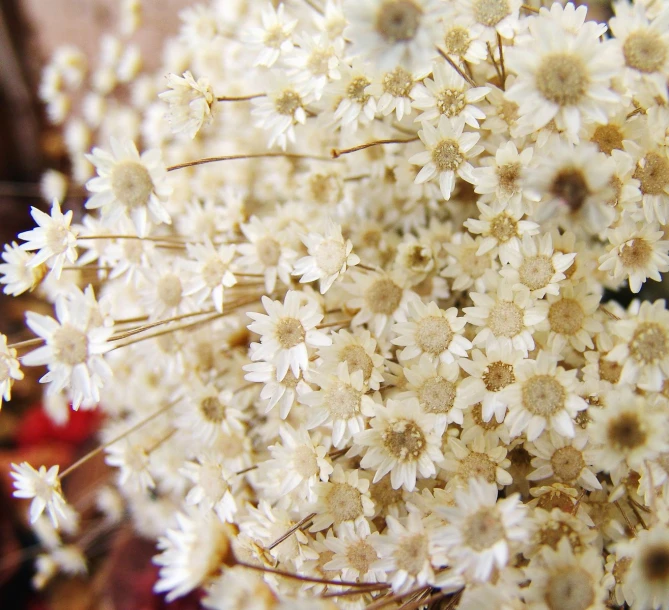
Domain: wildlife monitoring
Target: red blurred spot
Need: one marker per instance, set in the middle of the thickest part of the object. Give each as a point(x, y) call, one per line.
point(36, 427)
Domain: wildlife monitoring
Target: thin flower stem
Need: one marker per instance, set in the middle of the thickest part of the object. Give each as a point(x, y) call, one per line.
point(337, 152)
point(366, 267)
point(501, 61)
point(101, 448)
point(529, 9)
point(27, 343)
point(635, 112)
point(424, 601)
point(637, 514)
point(192, 324)
point(389, 599)
point(335, 323)
point(631, 528)
point(245, 470)
point(170, 240)
point(333, 455)
point(322, 581)
point(494, 63)
point(373, 586)
point(157, 444)
point(291, 531)
point(314, 6)
point(169, 330)
point(240, 98)
point(141, 329)
point(456, 67)
point(250, 156)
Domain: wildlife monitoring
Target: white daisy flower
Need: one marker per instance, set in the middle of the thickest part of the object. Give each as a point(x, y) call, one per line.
point(402, 441)
point(354, 552)
point(405, 552)
point(572, 318)
point(280, 111)
point(491, 378)
point(393, 90)
point(286, 392)
point(637, 253)
point(646, 578)
point(463, 40)
point(567, 460)
point(491, 16)
point(501, 226)
point(508, 317)
point(652, 172)
point(448, 94)
point(388, 33)
point(213, 274)
point(436, 387)
point(644, 43)
point(449, 151)
point(562, 76)
point(481, 457)
point(643, 351)
point(211, 488)
point(190, 101)
point(626, 434)
point(191, 553)
point(545, 397)
point(349, 99)
point(465, 265)
point(359, 351)
point(431, 331)
point(313, 62)
point(503, 177)
point(43, 486)
point(380, 299)
point(559, 578)
point(299, 461)
point(576, 180)
point(74, 345)
point(274, 37)
point(482, 532)
point(239, 587)
point(10, 370)
point(207, 413)
point(55, 241)
point(128, 183)
point(341, 401)
point(267, 251)
point(287, 331)
point(344, 498)
point(536, 266)
point(18, 275)
point(329, 256)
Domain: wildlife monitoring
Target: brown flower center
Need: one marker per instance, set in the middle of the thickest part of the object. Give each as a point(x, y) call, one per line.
point(543, 395)
point(398, 20)
point(562, 78)
point(446, 155)
point(566, 317)
point(645, 51)
point(404, 440)
point(289, 332)
point(567, 463)
point(498, 375)
point(383, 296)
point(653, 173)
point(131, 183)
point(649, 343)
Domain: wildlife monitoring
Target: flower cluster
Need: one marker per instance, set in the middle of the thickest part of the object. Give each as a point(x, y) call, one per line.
point(354, 333)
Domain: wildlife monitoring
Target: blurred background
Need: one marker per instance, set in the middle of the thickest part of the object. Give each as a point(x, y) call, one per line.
point(121, 573)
